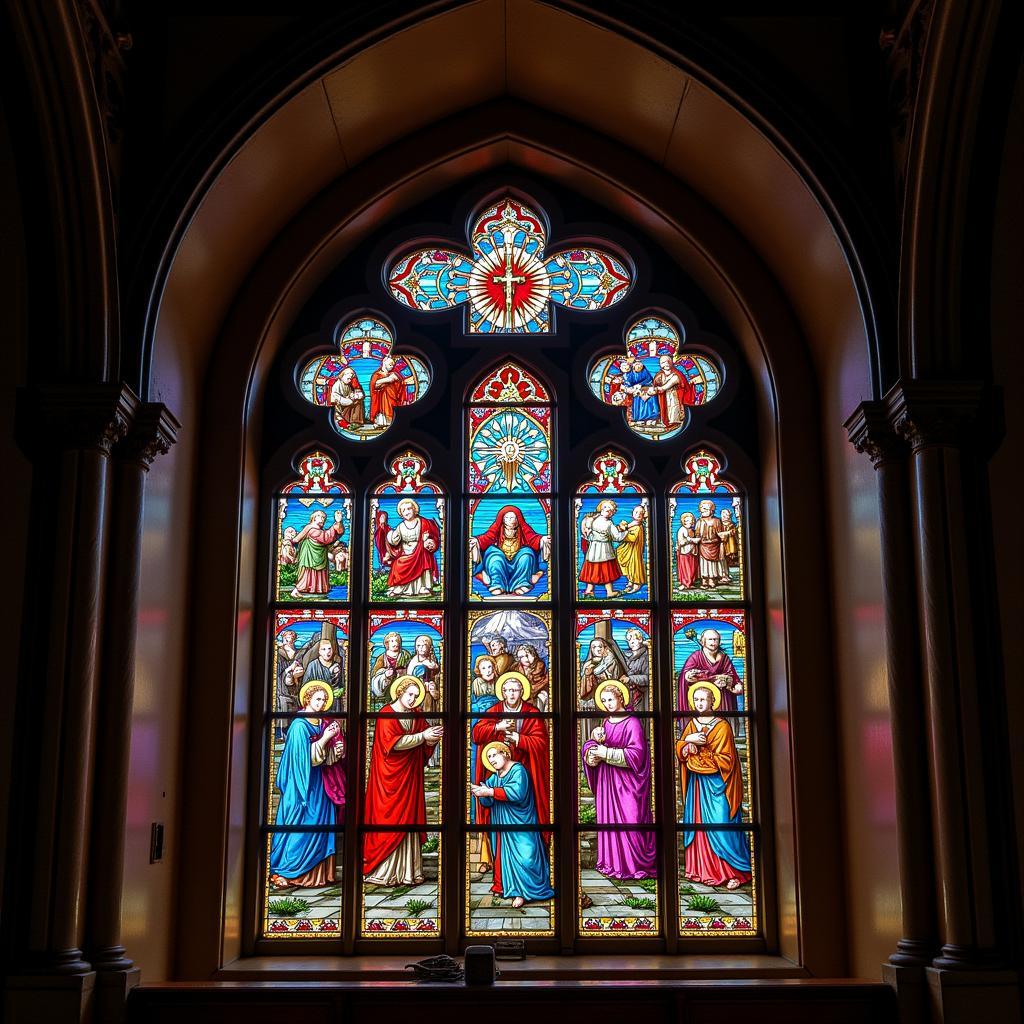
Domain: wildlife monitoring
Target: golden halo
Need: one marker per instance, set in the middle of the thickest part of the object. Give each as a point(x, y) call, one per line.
point(716, 694)
point(491, 746)
point(615, 684)
point(402, 682)
point(315, 684)
point(524, 682)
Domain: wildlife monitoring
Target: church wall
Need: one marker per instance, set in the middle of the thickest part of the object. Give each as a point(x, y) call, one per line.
point(14, 520)
point(1005, 469)
point(858, 645)
point(164, 658)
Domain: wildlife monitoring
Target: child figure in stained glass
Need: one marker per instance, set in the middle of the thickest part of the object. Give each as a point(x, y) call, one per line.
point(288, 554)
point(686, 550)
point(630, 552)
point(712, 784)
point(521, 868)
point(617, 765)
point(306, 859)
point(599, 535)
point(313, 543)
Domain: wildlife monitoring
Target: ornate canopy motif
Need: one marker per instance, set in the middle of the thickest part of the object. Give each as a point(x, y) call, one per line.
point(510, 384)
point(508, 279)
point(653, 382)
point(408, 472)
point(315, 476)
point(366, 382)
point(610, 469)
point(703, 475)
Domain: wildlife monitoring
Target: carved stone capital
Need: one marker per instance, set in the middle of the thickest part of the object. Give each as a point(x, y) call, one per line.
point(871, 433)
point(74, 416)
point(936, 413)
point(153, 430)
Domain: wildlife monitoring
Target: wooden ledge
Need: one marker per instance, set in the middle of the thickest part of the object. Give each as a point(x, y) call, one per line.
point(534, 968)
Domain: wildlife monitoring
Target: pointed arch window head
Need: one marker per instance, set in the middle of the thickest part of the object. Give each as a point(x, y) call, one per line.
point(508, 280)
point(654, 381)
point(366, 381)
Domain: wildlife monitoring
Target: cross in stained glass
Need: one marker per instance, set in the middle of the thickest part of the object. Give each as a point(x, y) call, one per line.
point(507, 280)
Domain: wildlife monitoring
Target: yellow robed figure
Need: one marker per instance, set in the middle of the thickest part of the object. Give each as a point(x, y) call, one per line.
point(630, 552)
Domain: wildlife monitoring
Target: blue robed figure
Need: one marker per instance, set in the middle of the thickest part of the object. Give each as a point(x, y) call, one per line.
point(521, 869)
point(305, 858)
point(638, 376)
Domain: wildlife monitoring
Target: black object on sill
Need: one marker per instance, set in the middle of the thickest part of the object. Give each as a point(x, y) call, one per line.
point(510, 949)
point(437, 968)
point(480, 968)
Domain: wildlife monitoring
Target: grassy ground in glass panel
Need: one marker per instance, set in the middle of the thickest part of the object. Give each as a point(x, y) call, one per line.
point(715, 910)
point(613, 906)
point(406, 909)
point(303, 912)
point(489, 913)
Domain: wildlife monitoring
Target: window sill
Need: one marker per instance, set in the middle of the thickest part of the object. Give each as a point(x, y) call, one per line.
point(689, 967)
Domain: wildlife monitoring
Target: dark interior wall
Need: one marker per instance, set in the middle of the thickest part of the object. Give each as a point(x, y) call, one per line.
point(17, 474)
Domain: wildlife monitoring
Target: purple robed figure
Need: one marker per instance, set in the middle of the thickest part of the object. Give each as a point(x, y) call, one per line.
point(617, 764)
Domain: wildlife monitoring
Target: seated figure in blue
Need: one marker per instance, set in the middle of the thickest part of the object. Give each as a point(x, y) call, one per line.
point(521, 868)
point(510, 553)
point(639, 383)
point(308, 779)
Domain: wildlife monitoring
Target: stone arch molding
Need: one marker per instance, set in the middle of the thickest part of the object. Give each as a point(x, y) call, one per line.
point(265, 231)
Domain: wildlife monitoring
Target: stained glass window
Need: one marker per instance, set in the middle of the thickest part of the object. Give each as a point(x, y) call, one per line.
point(366, 381)
point(306, 732)
point(541, 725)
point(507, 279)
point(712, 703)
point(653, 380)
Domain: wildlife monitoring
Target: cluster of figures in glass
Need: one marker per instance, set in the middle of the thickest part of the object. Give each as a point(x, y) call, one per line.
point(463, 686)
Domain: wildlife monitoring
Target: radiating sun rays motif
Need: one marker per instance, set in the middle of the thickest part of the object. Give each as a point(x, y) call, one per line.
point(510, 449)
point(510, 288)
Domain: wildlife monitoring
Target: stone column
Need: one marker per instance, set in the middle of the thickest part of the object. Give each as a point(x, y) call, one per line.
point(152, 432)
point(872, 433)
point(939, 420)
point(68, 431)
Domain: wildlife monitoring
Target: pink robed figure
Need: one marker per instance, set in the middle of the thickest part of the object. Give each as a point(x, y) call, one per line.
point(617, 766)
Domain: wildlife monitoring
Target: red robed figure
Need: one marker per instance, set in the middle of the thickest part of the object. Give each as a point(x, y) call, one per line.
point(528, 536)
point(406, 568)
point(394, 790)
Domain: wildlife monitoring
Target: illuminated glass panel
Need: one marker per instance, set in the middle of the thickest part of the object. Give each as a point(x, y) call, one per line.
point(706, 767)
point(509, 549)
point(407, 531)
point(312, 562)
point(617, 886)
point(710, 861)
point(612, 544)
point(308, 907)
point(510, 384)
point(613, 644)
point(509, 449)
point(709, 650)
point(510, 876)
point(401, 642)
point(328, 746)
point(527, 735)
point(310, 645)
point(401, 887)
point(365, 381)
point(508, 282)
point(653, 381)
point(507, 640)
point(615, 770)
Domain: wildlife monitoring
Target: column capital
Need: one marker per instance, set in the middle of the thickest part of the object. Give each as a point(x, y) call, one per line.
point(152, 431)
point(871, 433)
point(69, 415)
point(936, 413)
